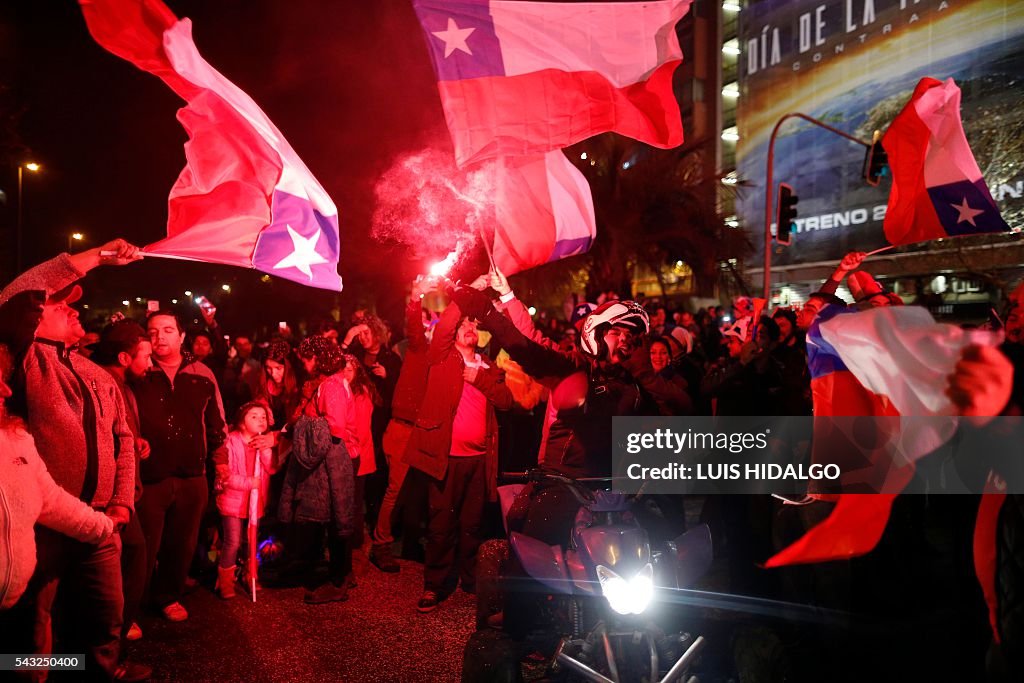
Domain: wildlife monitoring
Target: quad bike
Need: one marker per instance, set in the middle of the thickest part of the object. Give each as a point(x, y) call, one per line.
point(580, 607)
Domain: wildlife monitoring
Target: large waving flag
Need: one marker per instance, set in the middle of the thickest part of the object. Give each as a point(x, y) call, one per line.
point(521, 80)
point(244, 198)
point(544, 211)
point(531, 77)
point(937, 188)
point(890, 363)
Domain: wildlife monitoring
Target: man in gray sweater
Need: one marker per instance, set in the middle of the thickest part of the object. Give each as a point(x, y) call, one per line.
point(77, 416)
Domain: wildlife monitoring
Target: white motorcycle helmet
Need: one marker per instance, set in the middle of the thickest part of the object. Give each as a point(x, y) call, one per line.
point(626, 313)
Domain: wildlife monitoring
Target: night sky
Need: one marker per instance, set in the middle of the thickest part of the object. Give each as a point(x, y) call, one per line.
point(349, 83)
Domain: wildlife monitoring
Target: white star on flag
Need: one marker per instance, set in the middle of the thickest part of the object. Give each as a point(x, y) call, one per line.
point(304, 253)
point(454, 38)
point(966, 212)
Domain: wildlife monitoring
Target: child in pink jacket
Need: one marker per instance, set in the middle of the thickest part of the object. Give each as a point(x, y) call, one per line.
point(248, 465)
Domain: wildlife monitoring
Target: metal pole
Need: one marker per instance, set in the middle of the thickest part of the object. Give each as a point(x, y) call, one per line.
point(769, 189)
point(17, 236)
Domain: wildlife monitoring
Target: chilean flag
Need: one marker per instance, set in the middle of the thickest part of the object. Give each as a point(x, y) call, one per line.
point(244, 198)
point(530, 77)
point(521, 80)
point(544, 211)
point(937, 188)
point(888, 363)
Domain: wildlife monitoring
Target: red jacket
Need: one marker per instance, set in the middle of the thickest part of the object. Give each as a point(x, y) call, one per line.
point(412, 380)
point(431, 440)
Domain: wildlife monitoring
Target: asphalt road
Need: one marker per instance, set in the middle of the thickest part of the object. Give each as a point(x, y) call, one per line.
point(376, 635)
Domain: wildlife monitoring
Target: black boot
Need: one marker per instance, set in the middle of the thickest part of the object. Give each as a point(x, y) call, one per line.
point(381, 557)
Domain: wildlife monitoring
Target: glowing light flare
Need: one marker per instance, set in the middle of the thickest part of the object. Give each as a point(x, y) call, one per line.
point(442, 268)
point(32, 166)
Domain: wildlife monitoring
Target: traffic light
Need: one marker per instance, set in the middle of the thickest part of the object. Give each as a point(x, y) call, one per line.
point(876, 162)
point(785, 213)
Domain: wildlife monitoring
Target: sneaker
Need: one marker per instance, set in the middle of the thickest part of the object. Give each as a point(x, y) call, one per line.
point(134, 633)
point(327, 593)
point(131, 672)
point(175, 612)
point(428, 602)
point(382, 559)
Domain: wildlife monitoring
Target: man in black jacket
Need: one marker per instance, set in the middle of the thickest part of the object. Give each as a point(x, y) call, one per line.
point(182, 417)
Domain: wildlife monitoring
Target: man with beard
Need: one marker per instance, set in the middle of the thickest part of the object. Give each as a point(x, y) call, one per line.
point(77, 416)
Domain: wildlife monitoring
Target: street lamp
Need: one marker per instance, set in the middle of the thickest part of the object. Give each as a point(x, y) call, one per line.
point(34, 168)
point(74, 237)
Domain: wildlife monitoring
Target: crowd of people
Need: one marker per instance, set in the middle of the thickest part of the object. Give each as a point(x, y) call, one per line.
point(139, 456)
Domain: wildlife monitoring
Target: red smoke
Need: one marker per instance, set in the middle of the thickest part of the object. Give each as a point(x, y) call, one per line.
point(426, 203)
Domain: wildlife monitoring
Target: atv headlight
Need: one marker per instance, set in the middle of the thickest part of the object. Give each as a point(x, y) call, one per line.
point(627, 597)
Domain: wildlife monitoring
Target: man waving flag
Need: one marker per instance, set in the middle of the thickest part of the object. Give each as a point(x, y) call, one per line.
point(244, 198)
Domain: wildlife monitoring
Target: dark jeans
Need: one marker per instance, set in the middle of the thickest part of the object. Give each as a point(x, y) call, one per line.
point(133, 570)
point(230, 540)
point(75, 603)
point(169, 513)
point(456, 508)
point(308, 540)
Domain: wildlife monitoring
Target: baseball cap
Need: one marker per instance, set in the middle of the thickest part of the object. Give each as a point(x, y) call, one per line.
point(68, 295)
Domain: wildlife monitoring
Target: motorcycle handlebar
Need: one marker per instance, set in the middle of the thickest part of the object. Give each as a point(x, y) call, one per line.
point(540, 475)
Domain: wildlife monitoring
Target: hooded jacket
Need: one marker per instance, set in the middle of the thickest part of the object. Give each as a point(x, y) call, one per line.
point(234, 479)
point(28, 495)
point(319, 485)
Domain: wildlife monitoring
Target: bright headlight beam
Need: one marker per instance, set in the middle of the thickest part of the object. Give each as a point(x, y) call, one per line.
point(627, 597)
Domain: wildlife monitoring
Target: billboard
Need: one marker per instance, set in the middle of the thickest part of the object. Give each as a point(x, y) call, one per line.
point(853, 64)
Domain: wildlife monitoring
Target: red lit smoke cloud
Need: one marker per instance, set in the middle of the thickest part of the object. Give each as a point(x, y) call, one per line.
point(426, 203)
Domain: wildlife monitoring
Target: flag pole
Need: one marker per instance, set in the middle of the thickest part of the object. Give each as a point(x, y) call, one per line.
point(879, 251)
point(108, 253)
point(488, 249)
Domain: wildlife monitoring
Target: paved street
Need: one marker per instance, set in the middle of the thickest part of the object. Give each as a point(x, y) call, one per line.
point(376, 635)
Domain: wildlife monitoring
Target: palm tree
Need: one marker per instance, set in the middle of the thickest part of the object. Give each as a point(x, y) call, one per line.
point(653, 207)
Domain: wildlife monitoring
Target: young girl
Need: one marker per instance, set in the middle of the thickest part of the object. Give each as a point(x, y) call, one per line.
point(366, 399)
point(247, 467)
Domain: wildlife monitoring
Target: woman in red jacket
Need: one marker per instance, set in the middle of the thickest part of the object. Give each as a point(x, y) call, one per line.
point(365, 400)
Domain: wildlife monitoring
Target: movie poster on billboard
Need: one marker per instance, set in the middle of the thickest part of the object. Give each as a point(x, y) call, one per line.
point(853, 64)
